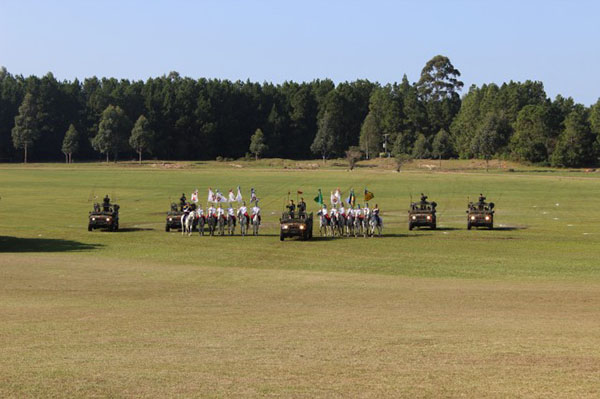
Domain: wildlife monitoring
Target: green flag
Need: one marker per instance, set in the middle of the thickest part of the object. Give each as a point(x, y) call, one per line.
point(319, 198)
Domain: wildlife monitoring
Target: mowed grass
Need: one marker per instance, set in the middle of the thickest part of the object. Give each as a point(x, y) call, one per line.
point(144, 313)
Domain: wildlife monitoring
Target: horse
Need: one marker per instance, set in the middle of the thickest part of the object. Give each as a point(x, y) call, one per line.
point(187, 223)
point(375, 222)
point(201, 223)
point(350, 224)
point(243, 223)
point(230, 224)
point(359, 227)
point(324, 223)
point(255, 224)
point(212, 222)
point(338, 224)
point(221, 225)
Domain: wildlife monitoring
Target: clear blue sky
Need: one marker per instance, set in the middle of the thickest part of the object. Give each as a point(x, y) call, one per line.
point(557, 42)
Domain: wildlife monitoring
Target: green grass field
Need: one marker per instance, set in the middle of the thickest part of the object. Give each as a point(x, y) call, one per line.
point(144, 313)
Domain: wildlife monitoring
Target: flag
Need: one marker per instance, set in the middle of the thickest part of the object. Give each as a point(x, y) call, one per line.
point(253, 195)
point(335, 197)
point(238, 197)
point(368, 195)
point(221, 197)
point(351, 198)
point(194, 197)
point(211, 196)
point(319, 198)
point(231, 196)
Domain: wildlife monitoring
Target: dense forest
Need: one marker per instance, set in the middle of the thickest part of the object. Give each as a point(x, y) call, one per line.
point(174, 117)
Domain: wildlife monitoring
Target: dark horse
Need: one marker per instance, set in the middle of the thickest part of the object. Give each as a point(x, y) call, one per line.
point(212, 223)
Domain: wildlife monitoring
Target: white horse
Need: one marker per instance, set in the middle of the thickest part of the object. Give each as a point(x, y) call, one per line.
point(187, 223)
point(375, 223)
point(255, 224)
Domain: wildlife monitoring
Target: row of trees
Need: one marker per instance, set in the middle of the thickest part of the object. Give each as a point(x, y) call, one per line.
point(182, 118)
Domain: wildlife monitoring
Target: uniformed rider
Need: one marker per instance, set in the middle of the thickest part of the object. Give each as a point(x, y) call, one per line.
point(231, 212)
point(243, 211)
point(220, 212)
point(256, 211)
point(342, 210)
point(376, 214)
point(358, 212)
point(200, 212)
point(366, 210)
point(212, 212)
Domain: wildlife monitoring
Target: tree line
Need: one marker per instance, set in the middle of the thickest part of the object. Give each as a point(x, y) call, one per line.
point(174, 117)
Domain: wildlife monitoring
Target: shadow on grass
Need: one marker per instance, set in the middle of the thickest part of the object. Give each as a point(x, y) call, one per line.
point(17, 244)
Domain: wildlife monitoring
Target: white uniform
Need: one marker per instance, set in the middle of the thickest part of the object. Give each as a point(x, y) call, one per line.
point(243, 210)
point(255, 211)
point(200, 212)
point(342, 210)
point(333, 212)
point(357, 212)
point(366, 212)
point(231, 211)
point(220, 212)
point(211, 211)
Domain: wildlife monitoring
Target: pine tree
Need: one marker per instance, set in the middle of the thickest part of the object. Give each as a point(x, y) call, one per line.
point(112, 132)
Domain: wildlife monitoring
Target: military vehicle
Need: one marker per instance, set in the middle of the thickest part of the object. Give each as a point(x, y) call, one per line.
point(480, 214)
point(173, 218)
point(105, 216)
point(296, 225)
point(422, 214)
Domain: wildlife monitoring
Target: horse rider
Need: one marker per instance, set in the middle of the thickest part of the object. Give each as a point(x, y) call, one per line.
point(220, 212)
point(333, 212)
point(243, 211)
point(302, 208)
point(342, 210)
point(323, 212)
point(291, 208)
point(200, 212)
point(256, 211)
point(358, 213)
point(366, 210)
point(106, 204)
point(182, 201)
point(211, 211)
point(231, 212)
point(376, 215)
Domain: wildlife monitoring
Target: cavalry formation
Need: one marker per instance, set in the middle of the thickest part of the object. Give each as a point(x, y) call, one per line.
point(190, 217)
point(337, 221)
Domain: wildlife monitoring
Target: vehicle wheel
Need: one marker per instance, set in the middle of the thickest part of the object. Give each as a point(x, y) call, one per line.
point(280, 236)
point(491, 227)
point(90, 227)
point(167, 228)
point(116, 227)
point(410, 226)
point(433, 226)
point(469, 226)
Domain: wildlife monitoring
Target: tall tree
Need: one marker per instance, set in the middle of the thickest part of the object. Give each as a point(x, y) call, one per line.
point(421, 147)
point(370, 135)
point(257, 144)
point(324, 142)
point(575, 146)
point(439, 79)
point(490, 137)
point(441, 146)
point(27, 125)
point(112, 132)
point(142, 136)
point(70, 143)
point(530, 140)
